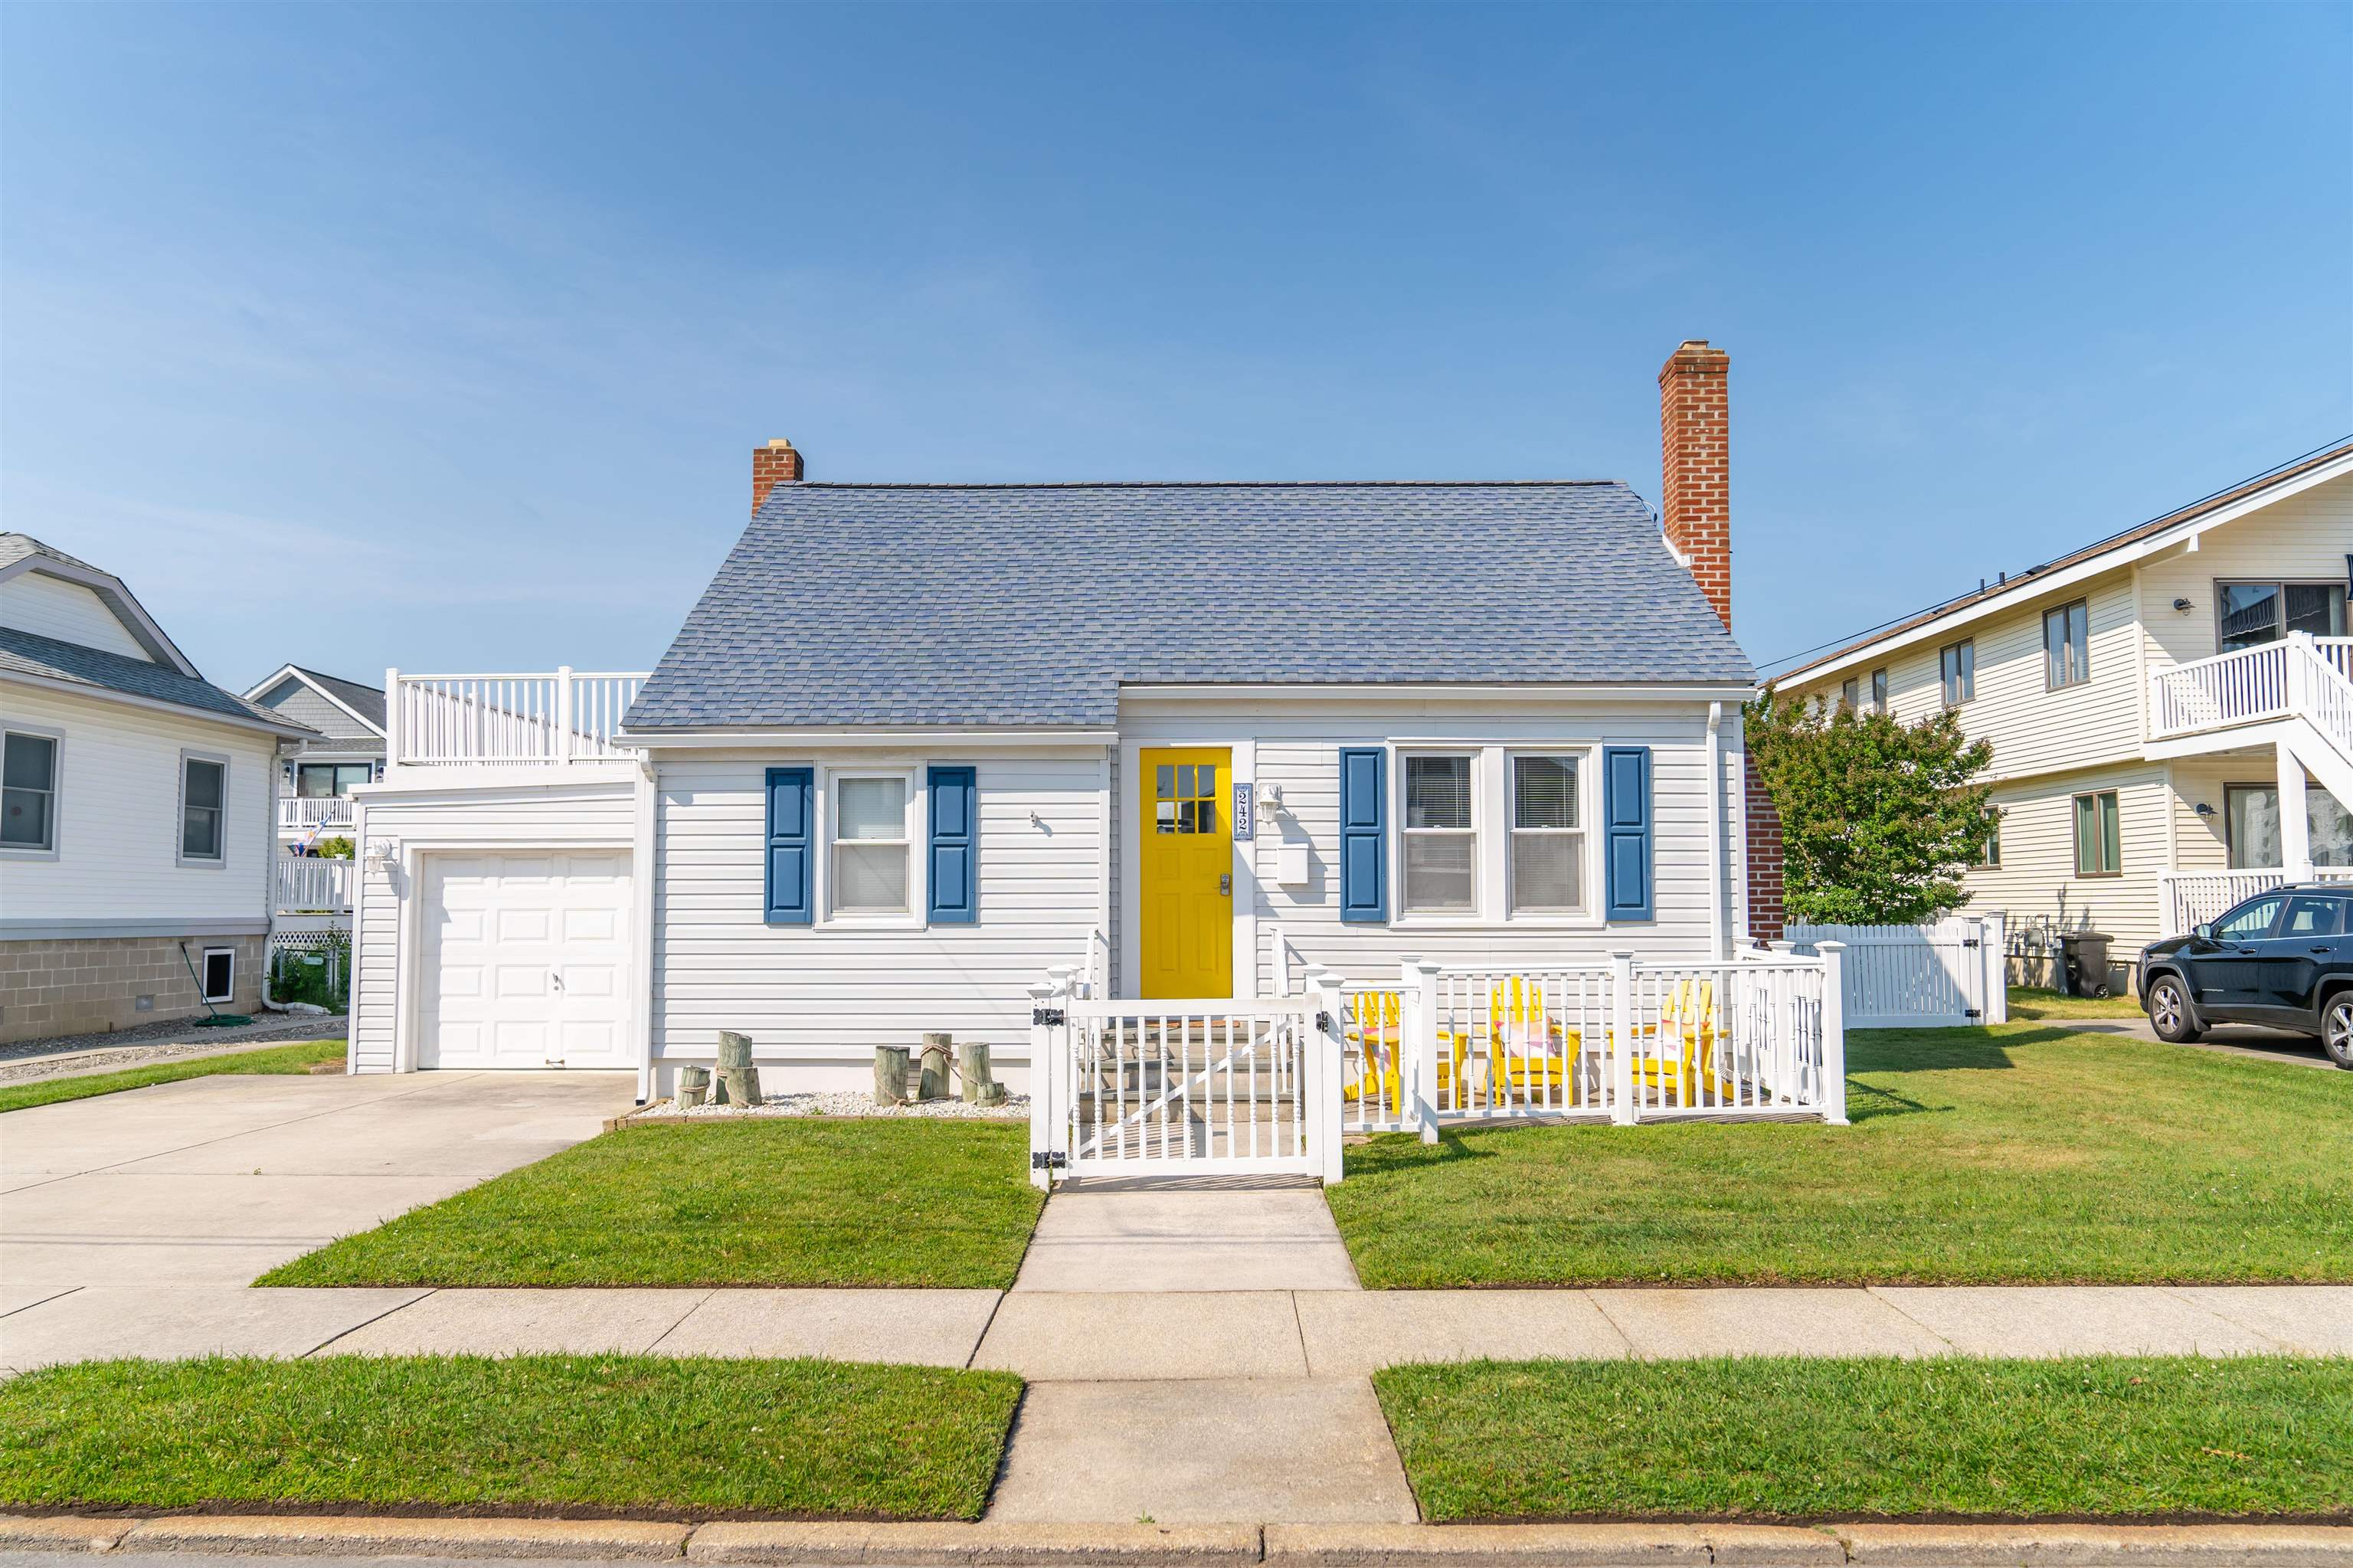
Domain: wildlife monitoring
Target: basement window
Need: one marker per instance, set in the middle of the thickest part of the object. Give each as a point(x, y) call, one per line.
point(220, 974)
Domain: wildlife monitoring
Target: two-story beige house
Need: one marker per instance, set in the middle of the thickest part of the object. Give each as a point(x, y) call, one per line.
point(2170, 707)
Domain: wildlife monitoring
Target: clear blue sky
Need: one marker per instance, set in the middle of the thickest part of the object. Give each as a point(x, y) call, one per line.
point(440, 335)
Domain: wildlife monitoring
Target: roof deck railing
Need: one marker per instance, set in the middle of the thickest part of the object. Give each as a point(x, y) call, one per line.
point(540, 719)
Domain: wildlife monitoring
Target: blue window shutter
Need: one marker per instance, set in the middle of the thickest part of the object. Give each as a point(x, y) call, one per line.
point(788, 846)
point(1364, 835)
point(1627, 825)
point(955, 838)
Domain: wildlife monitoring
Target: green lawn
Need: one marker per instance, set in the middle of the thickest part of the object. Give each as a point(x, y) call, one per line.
point(2021, 1153)
point(1799, 1439)
point(804, 1202)
point(623, 1432)
point(2033, 1001)
point(298, 1058)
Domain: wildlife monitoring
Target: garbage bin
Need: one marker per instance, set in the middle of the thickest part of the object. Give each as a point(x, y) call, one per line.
point(2087, 962)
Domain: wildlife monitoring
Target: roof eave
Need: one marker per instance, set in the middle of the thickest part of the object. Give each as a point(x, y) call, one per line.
point(286, 728)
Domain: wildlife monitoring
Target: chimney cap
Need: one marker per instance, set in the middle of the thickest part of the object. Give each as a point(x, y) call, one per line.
point(780, 441)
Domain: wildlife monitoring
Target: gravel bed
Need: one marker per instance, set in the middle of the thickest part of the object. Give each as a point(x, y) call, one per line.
point(849, 1103)
point(32, 1060)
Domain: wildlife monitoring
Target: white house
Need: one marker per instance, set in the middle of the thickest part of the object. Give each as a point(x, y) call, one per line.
point(2169, 708)
point(919, 745)
point(315, 793)
point(137, 812)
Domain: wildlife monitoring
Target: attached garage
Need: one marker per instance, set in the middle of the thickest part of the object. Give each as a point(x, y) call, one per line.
point(525, 961)
point(501, 925)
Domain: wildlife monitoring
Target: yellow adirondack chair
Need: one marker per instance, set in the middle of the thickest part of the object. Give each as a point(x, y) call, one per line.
point(1377, 1022)
point(1691, 1022)
point(1528, 1052)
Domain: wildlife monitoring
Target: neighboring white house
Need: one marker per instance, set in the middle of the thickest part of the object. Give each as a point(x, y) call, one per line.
point(919, 745)
point(137, 812)
point(315, 794)
point(2155, 700)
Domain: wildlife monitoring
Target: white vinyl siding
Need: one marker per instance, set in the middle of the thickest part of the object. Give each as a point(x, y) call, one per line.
point(2036, 885)
point(825, 996)
point(1300, 753)
point(118, 818)
point(2302, 538)
point(585, 815)
point(50, 606)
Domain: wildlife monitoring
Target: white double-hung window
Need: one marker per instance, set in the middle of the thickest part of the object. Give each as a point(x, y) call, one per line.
point(1440, 845)
point(870, 847)
point(1547, 847)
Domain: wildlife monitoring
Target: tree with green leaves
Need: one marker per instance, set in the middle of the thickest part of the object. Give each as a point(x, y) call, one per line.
point(1878, 818)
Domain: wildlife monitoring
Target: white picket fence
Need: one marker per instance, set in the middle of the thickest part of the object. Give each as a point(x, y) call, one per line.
point(1132, 1088)
point(1941, 976)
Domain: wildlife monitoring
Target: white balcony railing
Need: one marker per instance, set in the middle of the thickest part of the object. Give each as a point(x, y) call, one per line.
point(310, 813)
point(541, 720)
point(2254, 685)
point(311, 885)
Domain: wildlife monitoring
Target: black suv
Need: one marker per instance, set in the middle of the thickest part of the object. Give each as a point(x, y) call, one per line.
point(2283, 958)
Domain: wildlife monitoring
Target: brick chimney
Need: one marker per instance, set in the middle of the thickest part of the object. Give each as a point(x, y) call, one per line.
point(1696, 466)
point(771, 465)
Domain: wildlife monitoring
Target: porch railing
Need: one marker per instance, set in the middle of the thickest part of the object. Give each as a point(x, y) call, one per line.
point(2191, 898)
point(548, 719)
point(309, 812)
point(312, 885)
point(1622, 1042)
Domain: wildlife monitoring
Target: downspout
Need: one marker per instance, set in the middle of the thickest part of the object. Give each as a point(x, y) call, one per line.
point(278, 755)
point(1719, 852)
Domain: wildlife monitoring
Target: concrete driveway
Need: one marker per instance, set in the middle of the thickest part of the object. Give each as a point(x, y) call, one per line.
point(157, 1206)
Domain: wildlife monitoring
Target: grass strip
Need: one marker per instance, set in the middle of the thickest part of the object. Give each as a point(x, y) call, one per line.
point(2033, 1002)
point(642, 1434)
point(2024, 1153)
point(297, 1058)
point(1817, 1439)
point(806, 1202)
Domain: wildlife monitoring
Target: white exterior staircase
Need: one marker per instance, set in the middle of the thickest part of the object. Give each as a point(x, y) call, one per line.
point(2296, 694)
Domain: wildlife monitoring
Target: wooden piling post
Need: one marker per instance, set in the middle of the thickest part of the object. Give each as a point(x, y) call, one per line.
point(980, 1086)
point(934, 1085)
point(738, 1078)
point(693, 1086)
point(891, 1074)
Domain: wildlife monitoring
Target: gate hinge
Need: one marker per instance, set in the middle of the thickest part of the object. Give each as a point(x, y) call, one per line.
point(1047, 1017)
point(1323, 1024)
point(1968, 941)
point(1050, 1160)
point(1973, 1013)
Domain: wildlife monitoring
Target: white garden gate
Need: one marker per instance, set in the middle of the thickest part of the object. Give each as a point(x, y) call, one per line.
point(1131, 1088)
point(1941, 976)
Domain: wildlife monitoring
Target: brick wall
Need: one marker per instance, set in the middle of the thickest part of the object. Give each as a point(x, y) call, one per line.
point(86, 985)
point(1767, 913)
point(1696, 466)
point(771, 465)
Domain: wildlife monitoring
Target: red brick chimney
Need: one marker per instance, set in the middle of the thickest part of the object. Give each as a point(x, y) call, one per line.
point(771, 465)
point(1695, 467)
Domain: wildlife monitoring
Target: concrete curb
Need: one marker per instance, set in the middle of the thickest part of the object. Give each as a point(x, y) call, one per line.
point(997, 1545)
point(330, 1535)
point(1005, 1545)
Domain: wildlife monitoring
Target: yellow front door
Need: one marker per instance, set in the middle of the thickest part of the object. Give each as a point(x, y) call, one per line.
point(1187, 865)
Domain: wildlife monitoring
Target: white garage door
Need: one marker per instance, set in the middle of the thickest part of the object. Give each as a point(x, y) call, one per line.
point(525, 960)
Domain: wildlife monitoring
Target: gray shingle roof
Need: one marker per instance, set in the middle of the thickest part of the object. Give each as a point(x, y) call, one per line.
point(15, 547)
point(28, 653)
point(1032, 604)
point(365, 701)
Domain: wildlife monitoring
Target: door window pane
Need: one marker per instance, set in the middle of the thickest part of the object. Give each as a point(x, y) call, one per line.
point(2314, 916)
point(202, 785)
point(28, 772)
point(2250, 922)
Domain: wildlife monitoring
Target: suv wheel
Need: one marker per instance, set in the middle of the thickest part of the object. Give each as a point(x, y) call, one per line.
point(2337, 1028)
point(2169, 1012)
